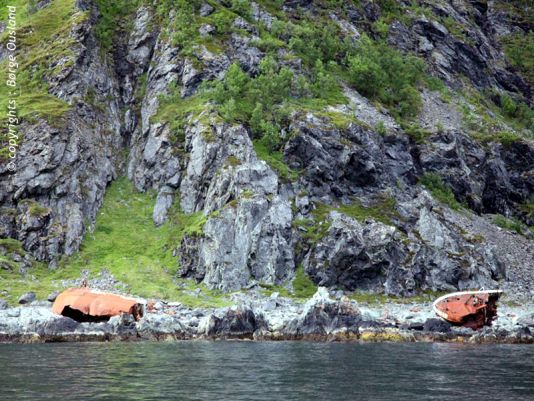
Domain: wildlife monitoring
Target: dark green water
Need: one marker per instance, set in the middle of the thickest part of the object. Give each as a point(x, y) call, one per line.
point(286, 371)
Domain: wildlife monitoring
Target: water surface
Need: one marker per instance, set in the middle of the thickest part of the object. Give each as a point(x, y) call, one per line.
point(236, 371)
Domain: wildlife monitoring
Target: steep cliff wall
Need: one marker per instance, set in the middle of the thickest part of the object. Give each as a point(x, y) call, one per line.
point(365, 142)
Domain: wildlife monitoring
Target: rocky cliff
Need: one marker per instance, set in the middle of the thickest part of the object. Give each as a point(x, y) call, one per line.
point(371, 146)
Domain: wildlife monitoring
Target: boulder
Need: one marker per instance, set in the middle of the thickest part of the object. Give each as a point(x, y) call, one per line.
point(237, 322)
point(52, 297)
point(27, 298)
point(323, 316)
point(437, 325)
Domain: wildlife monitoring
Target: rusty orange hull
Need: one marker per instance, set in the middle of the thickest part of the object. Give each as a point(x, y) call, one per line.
point(473, 309)
point(82, 304)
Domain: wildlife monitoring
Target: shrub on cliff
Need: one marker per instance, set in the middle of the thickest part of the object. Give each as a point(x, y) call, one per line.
point(384, 74)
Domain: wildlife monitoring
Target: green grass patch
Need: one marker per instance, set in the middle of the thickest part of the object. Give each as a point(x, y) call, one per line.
point(35, 209)
point(413, 130)
point(519, 49)
point(440, 190)
point(303, 286)
point(274, 158)
point(511, 224)
point(44, 49)
point(11, 245)
point(14, 283)
point(112, 19)
point(312, 230)
point(496, 116)
point(382, 73)
point(126, 242)
point(528, 207)
point(383, 210)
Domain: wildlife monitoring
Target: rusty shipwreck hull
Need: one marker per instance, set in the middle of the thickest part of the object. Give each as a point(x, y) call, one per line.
point(85, 305)
point(473, 309)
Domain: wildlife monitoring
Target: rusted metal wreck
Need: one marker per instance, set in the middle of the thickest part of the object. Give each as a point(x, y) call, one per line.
point(473, 309)
point(85, 305)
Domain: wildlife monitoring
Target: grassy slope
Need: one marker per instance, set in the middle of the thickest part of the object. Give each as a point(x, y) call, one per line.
point(126, 242)
point(43, 39)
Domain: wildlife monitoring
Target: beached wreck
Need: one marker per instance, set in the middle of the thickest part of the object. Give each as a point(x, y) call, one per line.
point(473, 309)
point(86, 305)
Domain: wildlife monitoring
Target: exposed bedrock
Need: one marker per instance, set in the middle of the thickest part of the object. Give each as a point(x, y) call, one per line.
point(63, 167)
point(251, 233)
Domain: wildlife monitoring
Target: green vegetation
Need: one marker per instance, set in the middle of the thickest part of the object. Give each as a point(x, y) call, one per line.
point(262, 103)
point(313, 230)
point(440, 190)
point(112, 20)
point(456, 29)
point(383, 210)
point(519, 49)
point(126, 242)
point(528, 207)
point(303, 287)
point(35, 209)
point(184, 27)
point(44, 49)
point(491, 114)
point(10, 245)
point(8, 248)
point(414, 131)
point(266, 101)
point(274, 158)
point(512, 224)
point(255, 100)
point(382, 73)
point(520, 113)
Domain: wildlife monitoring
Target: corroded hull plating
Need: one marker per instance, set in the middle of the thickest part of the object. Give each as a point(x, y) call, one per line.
point(83, 304)
point(473, 309)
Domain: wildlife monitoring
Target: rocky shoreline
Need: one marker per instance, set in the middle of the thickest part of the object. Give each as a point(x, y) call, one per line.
point(324, 317)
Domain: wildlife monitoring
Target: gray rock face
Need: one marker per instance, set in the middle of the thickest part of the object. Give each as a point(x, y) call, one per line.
point(235, 323)
point(346, 163)
point(494, 180)
point(205, 10)
point(260, 15)
point(249, 235)
point(473, 52)
point(355, 255)
point(323, 316)
point(34, 320)
point(27, 298)
point(226, 181)
point(377, 257)
point(437, 325)
point(154, 326)
point(163, 203)
point(52, 297)
point(62, 172)
point(526, 320)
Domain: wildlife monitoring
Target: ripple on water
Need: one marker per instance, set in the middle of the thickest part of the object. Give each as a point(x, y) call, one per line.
point(265, 371)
